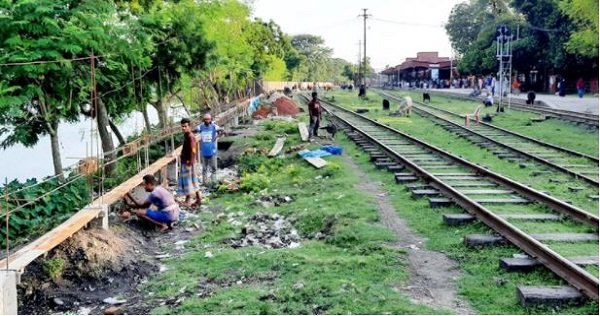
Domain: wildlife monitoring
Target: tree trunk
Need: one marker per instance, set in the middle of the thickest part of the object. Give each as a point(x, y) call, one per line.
point(117, 132)
point(53, 131)
point(146, 117)
point(107, 143)
point(163, 119)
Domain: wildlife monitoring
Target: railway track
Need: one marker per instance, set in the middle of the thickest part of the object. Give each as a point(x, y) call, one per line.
point(510, 145)
point(447, 179)
point(566, 115)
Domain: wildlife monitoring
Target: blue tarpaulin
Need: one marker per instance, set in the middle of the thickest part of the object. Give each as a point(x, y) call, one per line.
point(313, 153)
point(334, 150)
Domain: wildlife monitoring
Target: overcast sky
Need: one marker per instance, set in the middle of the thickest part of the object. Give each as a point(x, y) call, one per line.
point(396, 30)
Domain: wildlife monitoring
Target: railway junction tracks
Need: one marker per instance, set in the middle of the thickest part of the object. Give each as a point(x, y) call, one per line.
point(510, 145)
point(506, 206)
point(588, 119)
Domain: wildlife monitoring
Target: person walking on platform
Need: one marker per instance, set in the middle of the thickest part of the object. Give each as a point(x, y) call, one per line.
point(209, 132)
point(314, 112)
point(580, 87)
point(188, 182)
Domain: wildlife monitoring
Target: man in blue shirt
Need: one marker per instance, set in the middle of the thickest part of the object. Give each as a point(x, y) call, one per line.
point(209, 132)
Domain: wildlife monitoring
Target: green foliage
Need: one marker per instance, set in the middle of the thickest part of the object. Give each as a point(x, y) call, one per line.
point(54, 268)
point(254, 182)
point(584, 13)
point(332, 169)
point(37, 217)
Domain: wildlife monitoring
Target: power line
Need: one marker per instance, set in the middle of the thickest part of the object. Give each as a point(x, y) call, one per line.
point(408, 23)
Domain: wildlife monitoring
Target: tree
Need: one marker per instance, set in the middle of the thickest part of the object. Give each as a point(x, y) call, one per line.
point(36, 97)
point(180, 46)
point(465, 22)
point(584, 13)
point(314, 55)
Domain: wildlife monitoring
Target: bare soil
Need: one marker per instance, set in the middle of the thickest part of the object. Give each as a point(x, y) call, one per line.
point(97, 265)
point(433, 275)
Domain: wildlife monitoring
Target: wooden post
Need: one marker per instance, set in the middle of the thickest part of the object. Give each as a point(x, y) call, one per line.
point(8, 291)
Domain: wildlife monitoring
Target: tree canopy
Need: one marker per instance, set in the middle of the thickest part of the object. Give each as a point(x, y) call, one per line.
point(145, 52)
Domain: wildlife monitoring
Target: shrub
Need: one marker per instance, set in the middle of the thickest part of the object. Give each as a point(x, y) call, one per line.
point(54, 268)
point(254, 182)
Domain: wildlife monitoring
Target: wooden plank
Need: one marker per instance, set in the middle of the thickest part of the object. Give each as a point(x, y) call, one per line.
point(317, 162)
point(277, 147)
point(303, 131)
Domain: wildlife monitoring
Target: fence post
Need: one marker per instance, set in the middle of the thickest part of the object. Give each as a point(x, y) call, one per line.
point(8, 291)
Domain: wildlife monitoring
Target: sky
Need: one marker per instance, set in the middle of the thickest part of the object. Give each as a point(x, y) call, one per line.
point(396, 30)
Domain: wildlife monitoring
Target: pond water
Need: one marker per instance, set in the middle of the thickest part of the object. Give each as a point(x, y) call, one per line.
point(20, 162)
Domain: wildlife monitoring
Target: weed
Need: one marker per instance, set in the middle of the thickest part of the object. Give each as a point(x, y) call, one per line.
point(54, 268)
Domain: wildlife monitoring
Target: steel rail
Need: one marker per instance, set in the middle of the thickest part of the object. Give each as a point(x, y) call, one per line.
point(576, 117)
point(573, 274)
point(513, 134)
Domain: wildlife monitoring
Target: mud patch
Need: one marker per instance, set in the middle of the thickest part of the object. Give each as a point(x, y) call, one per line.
point(94, 264)
point(433, 275)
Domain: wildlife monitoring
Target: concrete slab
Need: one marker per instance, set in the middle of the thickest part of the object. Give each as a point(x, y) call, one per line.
point(566, 237)
point(529, 264)
point(457, 219)
point(478, 240)
point(550, 295)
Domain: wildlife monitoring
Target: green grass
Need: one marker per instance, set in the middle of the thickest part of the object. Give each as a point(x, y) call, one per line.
point(350, 271)
point(564, 134)
point(424, 129)
point(488, 289)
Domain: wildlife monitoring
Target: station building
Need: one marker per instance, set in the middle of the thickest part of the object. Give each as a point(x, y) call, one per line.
point(427, 66)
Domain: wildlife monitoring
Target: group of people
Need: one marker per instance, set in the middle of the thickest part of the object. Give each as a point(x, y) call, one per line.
point(167, 208)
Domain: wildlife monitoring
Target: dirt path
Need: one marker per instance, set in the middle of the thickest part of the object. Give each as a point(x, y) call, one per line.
point(433, 275)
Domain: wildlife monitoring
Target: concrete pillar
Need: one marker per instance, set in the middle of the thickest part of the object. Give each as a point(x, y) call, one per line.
point(102, 220)
point(8, 292)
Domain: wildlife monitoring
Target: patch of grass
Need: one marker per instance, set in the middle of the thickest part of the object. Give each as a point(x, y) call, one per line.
point(349, 270)
point(54, 268)
point(489, 289)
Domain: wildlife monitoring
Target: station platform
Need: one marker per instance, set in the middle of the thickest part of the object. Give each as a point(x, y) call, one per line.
point(587, 104)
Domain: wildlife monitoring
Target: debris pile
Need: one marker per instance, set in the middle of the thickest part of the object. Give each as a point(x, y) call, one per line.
point(286, 107)
point(270, 231)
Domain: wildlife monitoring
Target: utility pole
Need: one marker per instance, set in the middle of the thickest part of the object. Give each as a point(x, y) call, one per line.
point(359, 74)
point(364, 15)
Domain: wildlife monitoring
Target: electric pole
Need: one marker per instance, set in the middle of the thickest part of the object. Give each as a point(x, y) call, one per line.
point(359, 74)
point(364, 16)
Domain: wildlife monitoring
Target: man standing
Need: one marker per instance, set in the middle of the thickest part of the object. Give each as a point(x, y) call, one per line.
point(168, 210)
point(209, 132)
point(314, 111)
point(580, 87)
point(188, 182)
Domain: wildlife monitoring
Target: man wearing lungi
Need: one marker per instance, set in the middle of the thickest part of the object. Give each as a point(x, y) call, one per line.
point(188, 182)
point(209, 132)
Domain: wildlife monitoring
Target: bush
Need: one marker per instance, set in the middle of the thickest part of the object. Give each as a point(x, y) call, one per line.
point(54, 268)
point(254, 182)
point(331, 169)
